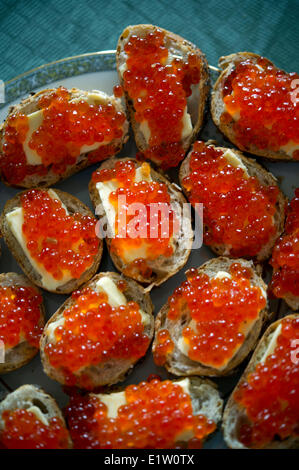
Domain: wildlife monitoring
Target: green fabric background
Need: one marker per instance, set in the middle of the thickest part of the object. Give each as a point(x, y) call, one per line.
point(34, 32)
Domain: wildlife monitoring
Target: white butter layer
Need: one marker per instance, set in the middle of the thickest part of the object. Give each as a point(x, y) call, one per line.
point(40, 416)
point(15, 220)
point(272, 344)
point(235, 161)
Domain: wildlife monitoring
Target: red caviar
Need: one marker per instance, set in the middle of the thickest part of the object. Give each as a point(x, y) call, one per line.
point(221, 310)
point(155, 415)
point(61, 243)
point(23, 430)
point(238, 210)
point(93, 332)
point(270, 394)
point(159, 91)
point(67, 126)
point(20, 315)
point(151, 227)
point(261, 95)
point(285, 256)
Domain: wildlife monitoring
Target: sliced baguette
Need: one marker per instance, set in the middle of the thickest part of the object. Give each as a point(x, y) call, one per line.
point(30, 105)
point(265, 178)
point(163, 268)
point(205, 400)
point(234, 414)
point(181, 48)
point(23, 352)
point(113, 370)
point(73, 205)
point(181, 365)
point(227, 64)
point(28, 396)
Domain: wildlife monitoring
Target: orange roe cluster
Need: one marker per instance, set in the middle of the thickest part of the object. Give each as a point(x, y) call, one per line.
point(285, 256)
point(237, 210)
point(20, 315)
point(270, 394)
point(163, 347)
point(66, 127)
point(221, 310)
point(93, 332)
point(263, 97)
point(159, 91)
point(23, 430)
point(155, 415)
point(61, 243)
point(156, 223)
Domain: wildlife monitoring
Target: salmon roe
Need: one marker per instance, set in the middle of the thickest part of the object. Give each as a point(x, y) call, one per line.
point(61, 243)
point(67, 126)
point(285, 256)
point(221, 309)
point(270, 394)
point(260, 99)
point(20, 315)
point(93, 332)
point(155, 416)
point(137, 227)
point(238, 210)
point(159, 88)
point(23, 430)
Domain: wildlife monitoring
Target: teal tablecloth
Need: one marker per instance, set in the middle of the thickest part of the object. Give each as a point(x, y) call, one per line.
point(34, 32)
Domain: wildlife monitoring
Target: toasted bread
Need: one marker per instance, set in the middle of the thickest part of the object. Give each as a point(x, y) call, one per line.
point(23, 352)
point(234, 414)
point(180, 364)
point(113, 370)
point(34, 398)
point(227, 64)
point(49, 177)
point(73, 205)
point(265, 178)
point(181, 48)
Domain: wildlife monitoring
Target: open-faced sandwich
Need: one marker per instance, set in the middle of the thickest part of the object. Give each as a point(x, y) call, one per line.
point(263, 410)
point(285, 258)
point(213, 320)
point(166, 84)
point(52, 235)
point(31, 419)
point(21, 321)
point(57, 132)
point(243, 207)
point(148, 234)
point(255, 105)
point(150, 415)
point(99, 333)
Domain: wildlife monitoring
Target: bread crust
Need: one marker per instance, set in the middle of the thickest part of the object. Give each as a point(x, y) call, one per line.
point(186, 47)
point(265, 178)
point(73, 205)
point(227, 64)
point(233, 412)
point(112, 371)
point(179, 364)
point(183, 242)
point(31, 395)
point(23, 352)
point(29, 105)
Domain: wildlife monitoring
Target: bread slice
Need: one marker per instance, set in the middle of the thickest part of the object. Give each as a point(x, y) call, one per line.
point(73, 205)
point(178, 363)
point(28, 396)
point(227, 64)
point(234, 414)
point(181, 48)
point(113, 370)
point(163, 268)
point(30, 105)
point(265, 178)
point(23, 352)
point(204, 395)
